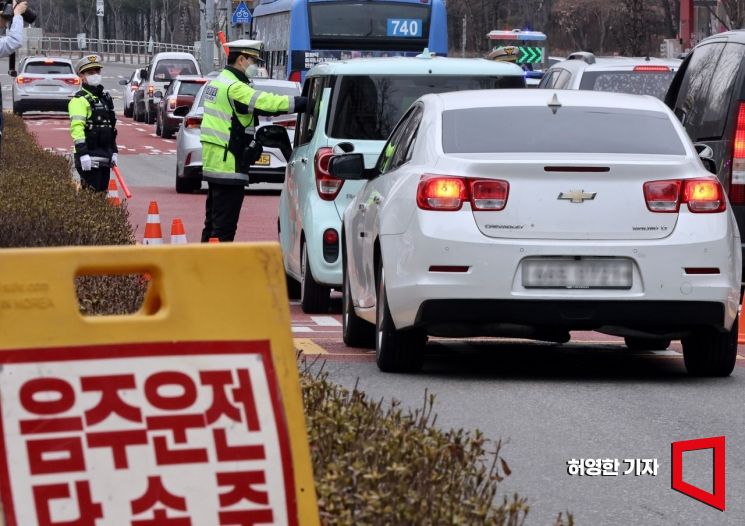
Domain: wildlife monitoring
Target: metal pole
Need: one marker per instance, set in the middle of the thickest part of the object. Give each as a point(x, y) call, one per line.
point(463, 36)
point(208, 52)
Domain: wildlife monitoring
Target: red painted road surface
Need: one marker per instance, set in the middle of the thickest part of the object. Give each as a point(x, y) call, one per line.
point(315, 334)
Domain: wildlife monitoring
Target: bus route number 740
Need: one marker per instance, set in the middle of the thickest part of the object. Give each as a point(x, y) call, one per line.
point(404, 27)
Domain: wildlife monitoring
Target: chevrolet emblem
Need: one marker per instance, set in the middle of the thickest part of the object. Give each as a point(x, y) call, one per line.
point(577, 196)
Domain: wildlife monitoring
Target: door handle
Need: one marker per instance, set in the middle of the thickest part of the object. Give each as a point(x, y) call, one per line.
point(362, 207)
point(304, 160)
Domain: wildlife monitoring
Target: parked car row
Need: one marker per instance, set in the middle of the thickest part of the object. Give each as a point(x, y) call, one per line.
point(451, 213)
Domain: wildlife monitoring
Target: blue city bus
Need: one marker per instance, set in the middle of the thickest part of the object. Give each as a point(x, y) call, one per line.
point(298, 34)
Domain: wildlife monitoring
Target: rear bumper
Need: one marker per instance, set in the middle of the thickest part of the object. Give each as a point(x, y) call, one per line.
point(267, 175)
point(652, 316)
point(38, 104)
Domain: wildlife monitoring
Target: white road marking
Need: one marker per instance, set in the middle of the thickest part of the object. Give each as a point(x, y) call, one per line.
point(302, 329)
point(325, 321)
point(667, 352)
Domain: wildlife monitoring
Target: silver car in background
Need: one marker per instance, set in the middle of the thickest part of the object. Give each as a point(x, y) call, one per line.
point(270, 168)
point(44, 84)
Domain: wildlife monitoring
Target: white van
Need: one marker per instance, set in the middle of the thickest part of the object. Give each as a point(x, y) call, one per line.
point(156, 77)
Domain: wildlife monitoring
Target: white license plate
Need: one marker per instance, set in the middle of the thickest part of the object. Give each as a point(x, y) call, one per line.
point(585, 273)
point(264, 160)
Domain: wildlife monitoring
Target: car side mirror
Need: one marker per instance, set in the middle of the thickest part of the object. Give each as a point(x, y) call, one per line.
point(123, 82)
point(13, 73)
point(706, 154)
point(158, 94)
point(349, 166)
point(143, 73)
point(181, 111)
point(275, 136)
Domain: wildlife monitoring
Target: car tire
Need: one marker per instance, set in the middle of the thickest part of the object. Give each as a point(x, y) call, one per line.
point(356, 332)
point(128, 111)
point(646, 344)
point(293, 287)
point(17, 110)
point(314, 298)
point(166, 133)
point(137, 115)
point(149, 117)
point(396, 350)
point(185, 185)
point(158, 128)
point(709, 352)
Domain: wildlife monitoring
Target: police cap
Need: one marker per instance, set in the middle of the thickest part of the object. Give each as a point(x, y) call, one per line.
point(504, 54)
point(86, 63)
point(250, 48)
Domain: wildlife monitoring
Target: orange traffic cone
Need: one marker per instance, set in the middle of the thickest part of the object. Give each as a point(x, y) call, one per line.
point(153, 234)
point(214, 240)
point(112, 196)
point(178, 234)
point(741, 328)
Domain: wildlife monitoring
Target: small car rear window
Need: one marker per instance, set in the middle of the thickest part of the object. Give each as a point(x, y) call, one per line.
point(168, 69)
point(635, 83)
point(535, 129)
point(49, 68)
point(189, 88)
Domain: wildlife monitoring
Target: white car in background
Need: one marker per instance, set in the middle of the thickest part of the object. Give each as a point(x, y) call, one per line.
point(270, 168)
point(44, 84)
point(589, 211)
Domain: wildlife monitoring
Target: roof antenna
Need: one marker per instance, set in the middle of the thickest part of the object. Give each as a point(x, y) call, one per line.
point(554, 104)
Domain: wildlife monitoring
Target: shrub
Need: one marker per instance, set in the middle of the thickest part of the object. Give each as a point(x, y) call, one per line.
point(41, 206)
point(381, 465)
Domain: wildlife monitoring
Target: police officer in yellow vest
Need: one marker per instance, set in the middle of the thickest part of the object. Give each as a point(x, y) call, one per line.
point(93, 126)
point(231, 105)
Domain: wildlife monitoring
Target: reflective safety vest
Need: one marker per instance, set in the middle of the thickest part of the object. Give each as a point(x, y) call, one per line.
point(228, 124)
point(92, 123)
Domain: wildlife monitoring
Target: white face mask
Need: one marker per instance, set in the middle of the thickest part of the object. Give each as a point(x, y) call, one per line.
point(252, 70)
point(93, 80)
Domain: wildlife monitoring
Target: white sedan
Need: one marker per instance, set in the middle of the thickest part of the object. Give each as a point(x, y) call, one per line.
point(533, 213)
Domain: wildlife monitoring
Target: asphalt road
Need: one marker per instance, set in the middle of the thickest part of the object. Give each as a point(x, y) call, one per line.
point(590, 398)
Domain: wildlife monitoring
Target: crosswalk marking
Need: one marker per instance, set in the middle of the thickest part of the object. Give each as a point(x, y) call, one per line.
point(325, 321)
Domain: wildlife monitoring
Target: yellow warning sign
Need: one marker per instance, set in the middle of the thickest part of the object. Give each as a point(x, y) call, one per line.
point(187, 413)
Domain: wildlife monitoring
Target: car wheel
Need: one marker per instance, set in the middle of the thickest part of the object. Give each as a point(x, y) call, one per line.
point(708, 352)
point(158, 128)
point(166, 133)
point(646, 344)
point(293, 287)
point(314, 298)
point(356, 332)
point(396, 351)
point(185, 185)
point(149, 117)
point(128, 110)
point(137, 115)
point(17, 109)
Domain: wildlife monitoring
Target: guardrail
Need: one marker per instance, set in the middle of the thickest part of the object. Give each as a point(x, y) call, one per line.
point(126, 51)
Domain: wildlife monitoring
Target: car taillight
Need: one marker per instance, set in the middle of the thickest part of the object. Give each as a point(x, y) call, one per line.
point(328, 185)
point(737, 183)
point(489, 194)
point(171, 103)
point(651, 69)
point(439, 192)
point(701, 195)
point(71, 82)
point(448, 193)
point(134, 86)
point(295, 76)
point(188, 159)
point(25, 80)
point(150, 90)
point(193, 122)
point(330, 245)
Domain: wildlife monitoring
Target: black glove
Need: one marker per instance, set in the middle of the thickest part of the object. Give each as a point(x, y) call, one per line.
point(301, 104)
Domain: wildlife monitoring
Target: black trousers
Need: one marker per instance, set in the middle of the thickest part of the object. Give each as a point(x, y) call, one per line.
point(96, 178)
point(222, 210)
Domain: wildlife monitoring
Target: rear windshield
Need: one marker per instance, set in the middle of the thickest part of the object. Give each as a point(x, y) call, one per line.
point(368, 107)
point(370, 23)
point(169, 68)
point(571, 130)
point(190, 88)
point(634, 83)
point(53, 68)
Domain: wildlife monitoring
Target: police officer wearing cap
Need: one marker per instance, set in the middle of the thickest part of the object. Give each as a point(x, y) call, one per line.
point(93, 126)
point(504, 54)
point(231, 105)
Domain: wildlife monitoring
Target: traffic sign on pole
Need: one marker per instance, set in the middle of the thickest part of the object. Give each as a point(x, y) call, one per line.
point(241, 15)
point(530, 55)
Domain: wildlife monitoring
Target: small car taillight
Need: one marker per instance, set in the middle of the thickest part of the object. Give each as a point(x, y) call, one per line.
point(150, 90)
point(701, 195)
point(328, 186)
point(72, 82)
point(171, 103)
point(489, 194)
point(737, 182)
point(192, 122)
point(25, 80)
point(441, 192)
